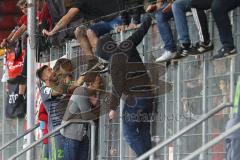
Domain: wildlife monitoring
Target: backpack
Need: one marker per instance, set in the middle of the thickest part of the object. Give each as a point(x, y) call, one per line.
point(11, 110)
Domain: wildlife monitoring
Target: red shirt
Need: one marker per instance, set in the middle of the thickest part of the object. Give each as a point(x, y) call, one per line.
point(41, 16)
point(44, 15)
point(22, 20)
point(43, 116)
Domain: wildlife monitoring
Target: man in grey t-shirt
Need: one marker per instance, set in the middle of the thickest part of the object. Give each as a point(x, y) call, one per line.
point(84, 104)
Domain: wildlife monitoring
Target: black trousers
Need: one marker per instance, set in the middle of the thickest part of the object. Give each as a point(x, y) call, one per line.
point(200, 19)
point(220, 9)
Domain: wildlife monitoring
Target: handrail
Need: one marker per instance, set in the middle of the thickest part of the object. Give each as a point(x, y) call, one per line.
point(19, 137)
point(213, 142)
point(184, 130)
point(56, 130)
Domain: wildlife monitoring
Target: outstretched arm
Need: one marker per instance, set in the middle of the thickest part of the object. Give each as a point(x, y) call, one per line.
point(63, 22)
point(18, 33)
point(6, 40)
point(138, 35)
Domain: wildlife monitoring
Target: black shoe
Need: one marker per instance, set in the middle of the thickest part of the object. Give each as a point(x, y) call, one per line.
point(118, 72)
point(202, 47)
point(179, 56)
point(223, 52)
point(186, 49)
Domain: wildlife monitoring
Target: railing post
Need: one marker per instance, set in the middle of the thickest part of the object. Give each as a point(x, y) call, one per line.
point(121, 116)
point(31, 69)
point(4, 103)
point(93, 146)
point(204, 102)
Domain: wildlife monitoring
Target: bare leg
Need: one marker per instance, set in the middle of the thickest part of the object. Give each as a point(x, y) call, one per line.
point(92, 39)
point(82, 38)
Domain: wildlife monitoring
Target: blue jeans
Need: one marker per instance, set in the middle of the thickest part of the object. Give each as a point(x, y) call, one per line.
point(136, 125)
point(103, 27)
point(56, 147)
point(76, 150)
point(220, 11)
point(45, 152)
point(165, 29)
point(179, 9)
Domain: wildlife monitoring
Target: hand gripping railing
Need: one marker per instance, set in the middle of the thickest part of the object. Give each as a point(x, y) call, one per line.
point(93, 133)
point(183, 131)
point(19, 137)
point(213, 142)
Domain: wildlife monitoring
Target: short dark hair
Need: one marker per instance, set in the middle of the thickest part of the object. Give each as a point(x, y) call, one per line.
point(40, 72)
point(60, 62)
point(90, 77)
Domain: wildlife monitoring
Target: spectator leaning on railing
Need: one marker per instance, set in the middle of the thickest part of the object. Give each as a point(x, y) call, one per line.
point(163, 14)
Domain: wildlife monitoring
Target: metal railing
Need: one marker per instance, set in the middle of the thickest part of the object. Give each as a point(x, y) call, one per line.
point(93, 132)
point(183, 131)
point(19, 137)
point(213, 142)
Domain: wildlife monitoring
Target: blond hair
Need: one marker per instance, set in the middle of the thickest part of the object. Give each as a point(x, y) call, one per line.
point(21, 3)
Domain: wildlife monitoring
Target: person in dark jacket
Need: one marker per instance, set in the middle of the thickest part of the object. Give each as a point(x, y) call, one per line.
point(220, 10)
point(131, 82)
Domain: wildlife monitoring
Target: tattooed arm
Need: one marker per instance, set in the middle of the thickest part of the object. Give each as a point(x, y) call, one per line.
point(63, 22)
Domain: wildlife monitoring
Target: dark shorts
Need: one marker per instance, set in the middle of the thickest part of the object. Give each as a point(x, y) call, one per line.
point(104, 27)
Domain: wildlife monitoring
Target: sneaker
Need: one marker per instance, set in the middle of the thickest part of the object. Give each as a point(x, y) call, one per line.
point(179, 56)
point(167, 55)
point(223, 52)
point(186, 49)
point(202, 47)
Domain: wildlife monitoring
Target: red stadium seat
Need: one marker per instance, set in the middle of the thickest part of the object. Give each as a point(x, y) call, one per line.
point(8, 7)
point(3, 34)
point(8, 22)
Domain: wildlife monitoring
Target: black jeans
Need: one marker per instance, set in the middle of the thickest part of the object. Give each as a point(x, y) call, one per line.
point(220, 9)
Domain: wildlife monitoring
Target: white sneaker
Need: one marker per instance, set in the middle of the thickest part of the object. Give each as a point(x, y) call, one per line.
point(166, 56)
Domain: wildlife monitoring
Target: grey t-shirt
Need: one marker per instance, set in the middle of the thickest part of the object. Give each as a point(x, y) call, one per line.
point(78, 103)
point(79, 107)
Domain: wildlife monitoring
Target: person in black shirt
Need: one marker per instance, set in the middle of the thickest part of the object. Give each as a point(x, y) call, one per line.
point(91, 10)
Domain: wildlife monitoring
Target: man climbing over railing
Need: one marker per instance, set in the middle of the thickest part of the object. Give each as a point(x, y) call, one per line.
point(132, 83)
